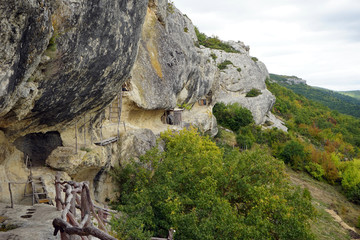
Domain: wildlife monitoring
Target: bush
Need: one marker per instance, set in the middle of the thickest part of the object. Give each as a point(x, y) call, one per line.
point(213, 56)
point(213, 42)
point(315, 170)
point(205, 194)
point(254, 92)
point(351, 182)
point(224, 64)
point(255, 59)
point(294, 154)
point(232, 116)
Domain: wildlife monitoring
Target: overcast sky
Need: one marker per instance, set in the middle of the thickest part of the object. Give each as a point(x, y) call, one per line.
point(317, 40)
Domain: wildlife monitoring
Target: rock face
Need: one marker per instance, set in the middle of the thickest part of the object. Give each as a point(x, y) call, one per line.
point(171, 71)
point(63, 58)
point(168, 69)
point(63, 62)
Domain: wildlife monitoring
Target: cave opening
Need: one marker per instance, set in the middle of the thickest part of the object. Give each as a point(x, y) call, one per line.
point(38, 146)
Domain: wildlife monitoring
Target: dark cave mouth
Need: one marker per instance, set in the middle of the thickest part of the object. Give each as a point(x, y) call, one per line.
point(38, 146)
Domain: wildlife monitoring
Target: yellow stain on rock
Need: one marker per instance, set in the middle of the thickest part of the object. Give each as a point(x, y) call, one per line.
point(149, 34)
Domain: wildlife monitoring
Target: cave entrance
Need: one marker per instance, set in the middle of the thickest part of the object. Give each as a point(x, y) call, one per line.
point(38, 146)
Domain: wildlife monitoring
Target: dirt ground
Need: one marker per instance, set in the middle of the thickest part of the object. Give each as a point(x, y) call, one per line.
point(328, 200)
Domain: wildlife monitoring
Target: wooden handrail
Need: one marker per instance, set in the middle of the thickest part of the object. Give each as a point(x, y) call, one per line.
point(77, 195)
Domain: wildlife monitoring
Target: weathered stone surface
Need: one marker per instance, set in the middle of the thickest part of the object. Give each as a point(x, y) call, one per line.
point(92, 49)
point(135, 143)
point(167, 72)
point(170, 70)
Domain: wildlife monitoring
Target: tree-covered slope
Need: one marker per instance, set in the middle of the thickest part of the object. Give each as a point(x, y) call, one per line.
point(354, 94)
point(334, 100)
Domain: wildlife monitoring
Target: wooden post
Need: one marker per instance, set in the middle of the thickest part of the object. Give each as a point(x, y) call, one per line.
point(84, 130)
point(11, 198)
point(119, 113)
point(91, 131)
point(76, 148)
point(101, 137)
point(58, 200)
point(33, 191)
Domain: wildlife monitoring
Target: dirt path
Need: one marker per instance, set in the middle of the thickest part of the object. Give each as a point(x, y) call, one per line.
point(343, 212)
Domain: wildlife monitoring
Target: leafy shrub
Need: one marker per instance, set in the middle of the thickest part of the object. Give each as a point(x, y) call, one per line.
point(205, 194)
point(213, 42)
point(224, 64)
point(315, 170)
point(255, 59)
point(294, 154)
point(186, 29)
point(238, 69)
point(254, 92)
point(351, 182)
point(171, 7)
point(213, 56)
point(232, 116)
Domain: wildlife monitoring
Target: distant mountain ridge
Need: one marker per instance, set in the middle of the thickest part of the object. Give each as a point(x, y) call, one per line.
point(340, 102)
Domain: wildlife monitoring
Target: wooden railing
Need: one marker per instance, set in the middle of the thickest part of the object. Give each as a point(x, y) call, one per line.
point(77, 196)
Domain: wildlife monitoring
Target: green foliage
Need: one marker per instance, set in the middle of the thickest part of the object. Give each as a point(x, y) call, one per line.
point(232, 116)
point(353, 94)
point(205, 193)
point(186, 106)
point(186, 29)
point(224, 64)
point(254, 92)
point(171, 7)
point(85, 149)
point(52, 46)
point(315, 170)
point(333, 100)
point(213, 42)
point(238, 69)
point(294, 154)
point(213, 56)
point(351, 182)
point(255, 59)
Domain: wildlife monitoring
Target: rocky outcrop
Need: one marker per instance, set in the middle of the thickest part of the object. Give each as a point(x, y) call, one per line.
point(295, 80)
point(63, 62)
point(63, 58)
point(171, 71)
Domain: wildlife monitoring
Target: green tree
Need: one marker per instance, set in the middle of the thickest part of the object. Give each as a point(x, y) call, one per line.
point(205, 194)
point(294, 154)
point(232, 116)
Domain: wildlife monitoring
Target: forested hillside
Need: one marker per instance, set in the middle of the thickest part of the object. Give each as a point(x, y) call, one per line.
point(354, 94)
point(334, 100)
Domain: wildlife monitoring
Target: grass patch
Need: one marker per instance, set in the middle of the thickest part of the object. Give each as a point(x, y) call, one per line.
point(85, 149)
point(324, 197)
point(213, 42)
point(224, 64)
point(213, 56)
point(254, 92)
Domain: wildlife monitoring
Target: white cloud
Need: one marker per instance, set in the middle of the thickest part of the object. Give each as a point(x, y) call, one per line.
point(316, 40)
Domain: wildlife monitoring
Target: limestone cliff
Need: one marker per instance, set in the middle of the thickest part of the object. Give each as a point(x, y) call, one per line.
point(63, 62)
point(60, 58)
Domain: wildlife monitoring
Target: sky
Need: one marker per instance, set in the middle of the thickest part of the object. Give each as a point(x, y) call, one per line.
point(317, 40)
